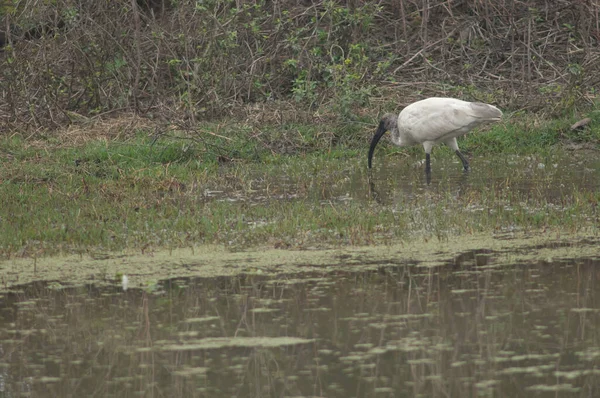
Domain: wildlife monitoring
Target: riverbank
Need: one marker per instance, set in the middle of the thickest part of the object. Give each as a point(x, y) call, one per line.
point(122, 187)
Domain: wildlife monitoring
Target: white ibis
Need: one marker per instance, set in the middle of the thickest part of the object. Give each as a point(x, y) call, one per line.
point(433, 120)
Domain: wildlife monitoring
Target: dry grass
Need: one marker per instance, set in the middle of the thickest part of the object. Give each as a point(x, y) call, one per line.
point(86, 130)
point(288, 62)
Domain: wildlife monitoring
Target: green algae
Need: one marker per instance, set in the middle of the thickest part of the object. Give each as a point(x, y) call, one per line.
point(213, 261)
point(202, 319)
point(554, 388)
point(224, 342)
point(189, 371)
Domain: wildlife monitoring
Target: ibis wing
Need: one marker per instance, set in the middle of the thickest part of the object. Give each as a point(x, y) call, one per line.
point(439, 123)
point(484, 111)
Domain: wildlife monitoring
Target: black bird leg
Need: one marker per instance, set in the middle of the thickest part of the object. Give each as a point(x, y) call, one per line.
point(465, 162)
point(428, 167)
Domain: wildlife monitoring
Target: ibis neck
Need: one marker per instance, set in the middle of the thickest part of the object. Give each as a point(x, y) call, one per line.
point(395, 136)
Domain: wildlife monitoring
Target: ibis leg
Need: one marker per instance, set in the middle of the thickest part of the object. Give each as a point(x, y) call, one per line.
point(428, 167)
point(465, 162)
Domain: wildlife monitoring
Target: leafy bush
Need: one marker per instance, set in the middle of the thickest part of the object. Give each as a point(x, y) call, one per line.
point(190, 59)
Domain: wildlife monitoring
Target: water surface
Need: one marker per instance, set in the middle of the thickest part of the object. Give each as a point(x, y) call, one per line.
point(550, 177)
point(480, 322)
point(472, 327)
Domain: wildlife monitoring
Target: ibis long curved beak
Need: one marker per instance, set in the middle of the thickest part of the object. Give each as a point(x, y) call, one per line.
point(378, 134)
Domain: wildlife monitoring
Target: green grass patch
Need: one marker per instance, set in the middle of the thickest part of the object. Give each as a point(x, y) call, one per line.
point(292, 185)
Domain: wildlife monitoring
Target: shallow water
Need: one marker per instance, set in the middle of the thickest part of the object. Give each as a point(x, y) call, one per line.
point(470, 328)
point(474, 324)
point(549, 177)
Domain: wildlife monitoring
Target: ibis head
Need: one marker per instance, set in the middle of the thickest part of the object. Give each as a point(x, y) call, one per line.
point(388, 122)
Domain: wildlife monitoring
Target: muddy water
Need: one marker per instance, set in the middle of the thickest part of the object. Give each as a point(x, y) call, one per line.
point(541, 177)
point(550, 177)
point(473, 327)
point(400, 321)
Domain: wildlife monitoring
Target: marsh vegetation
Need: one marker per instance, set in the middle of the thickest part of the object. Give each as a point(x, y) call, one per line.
point(215, 153)
point(238, 124)
point(142, 192)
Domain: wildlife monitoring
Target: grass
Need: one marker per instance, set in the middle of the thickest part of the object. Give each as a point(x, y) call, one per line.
point(282, 186)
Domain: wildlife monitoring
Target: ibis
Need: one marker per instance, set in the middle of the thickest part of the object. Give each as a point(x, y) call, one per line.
point(434, 120)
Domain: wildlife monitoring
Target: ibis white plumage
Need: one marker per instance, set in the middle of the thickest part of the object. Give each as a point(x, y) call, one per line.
point(434, 120)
